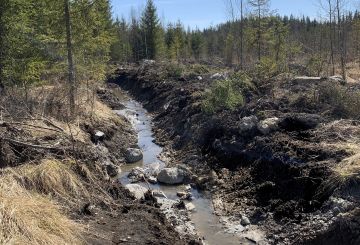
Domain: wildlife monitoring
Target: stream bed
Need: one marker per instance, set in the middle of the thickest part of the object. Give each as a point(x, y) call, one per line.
point(202, 221)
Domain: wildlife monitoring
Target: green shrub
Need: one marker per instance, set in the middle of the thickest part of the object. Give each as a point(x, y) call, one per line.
point(243, 82)
point(266, 68)
point(222, 95)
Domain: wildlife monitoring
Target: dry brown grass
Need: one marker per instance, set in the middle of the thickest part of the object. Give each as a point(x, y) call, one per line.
point(54, 178)
point(341, 135)
point(349, 168)
point(29, 218)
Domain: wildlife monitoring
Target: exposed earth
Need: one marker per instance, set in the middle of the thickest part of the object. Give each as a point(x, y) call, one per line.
point(284, 165)
point(281, 169)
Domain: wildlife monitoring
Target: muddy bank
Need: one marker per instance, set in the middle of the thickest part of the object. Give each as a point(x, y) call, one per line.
point(67, 172)
point(281, 179)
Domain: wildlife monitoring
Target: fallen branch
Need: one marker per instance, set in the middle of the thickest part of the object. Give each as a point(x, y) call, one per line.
point(52, 124)
point(16, 142)
point(35, 126)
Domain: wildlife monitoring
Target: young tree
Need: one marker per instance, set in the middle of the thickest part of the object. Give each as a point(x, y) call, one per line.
point(261, 10)
point(196, 44)
point(229, 45)
point(175, 41)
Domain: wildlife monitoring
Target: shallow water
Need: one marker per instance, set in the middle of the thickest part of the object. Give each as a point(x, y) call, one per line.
point(207, 224)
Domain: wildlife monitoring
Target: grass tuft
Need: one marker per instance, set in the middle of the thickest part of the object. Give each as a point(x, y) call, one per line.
point(29, 218)
point(54, 178)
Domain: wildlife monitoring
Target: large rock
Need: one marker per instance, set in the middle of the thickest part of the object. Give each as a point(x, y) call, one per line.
point(137, 190)
point(133, 155)
point(248, 124)
point(268, 125)
point(171, 176)
point(190, 207)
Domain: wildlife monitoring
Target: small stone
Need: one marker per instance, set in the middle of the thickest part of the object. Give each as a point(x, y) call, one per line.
point(187, 187)
point(336, 211)
point(159, 194)
point(218, 76)
point(245, 221)
point(181, 194)
point(152, 180)
point(99, 136)
point(190, 207)
point(268, 125)
point(137, 190)
point(248, 124)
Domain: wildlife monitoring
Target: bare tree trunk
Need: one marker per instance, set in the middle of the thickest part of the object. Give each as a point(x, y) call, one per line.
point(321, 52)
point(71, 67)
point(241, 35)
point(331, 38)
point(341, 41)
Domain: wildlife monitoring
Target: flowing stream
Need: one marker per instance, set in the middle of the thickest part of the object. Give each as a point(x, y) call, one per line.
point(207, 225)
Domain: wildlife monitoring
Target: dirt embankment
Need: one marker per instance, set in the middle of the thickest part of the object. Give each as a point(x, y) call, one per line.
point(55, 184)
point(286, 159)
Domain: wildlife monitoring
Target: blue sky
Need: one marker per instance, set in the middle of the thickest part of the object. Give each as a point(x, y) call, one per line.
point(204, 13)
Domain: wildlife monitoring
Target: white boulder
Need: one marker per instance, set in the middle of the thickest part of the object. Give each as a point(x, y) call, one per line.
point(171, 176)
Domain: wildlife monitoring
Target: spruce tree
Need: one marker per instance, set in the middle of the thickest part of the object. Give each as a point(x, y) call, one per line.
point(260, 11)
point(150, 26)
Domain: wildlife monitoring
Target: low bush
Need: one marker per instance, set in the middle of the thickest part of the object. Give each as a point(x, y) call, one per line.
point(223, 95)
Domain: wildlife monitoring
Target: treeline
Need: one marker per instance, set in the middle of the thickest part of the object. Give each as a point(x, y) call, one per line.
point(33, 40)
point(35, 45)
point(258, 38)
